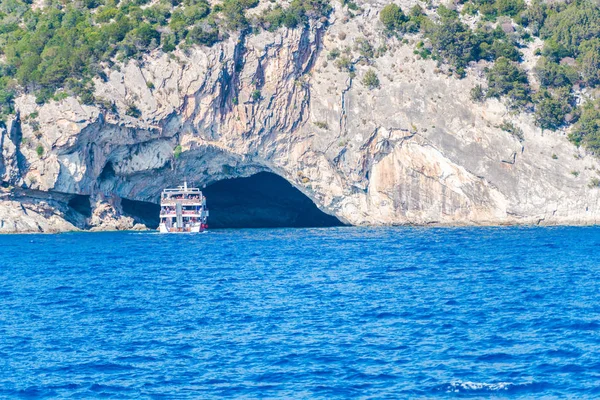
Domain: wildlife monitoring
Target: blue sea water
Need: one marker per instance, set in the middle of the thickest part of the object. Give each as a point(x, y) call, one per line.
point(302, 313)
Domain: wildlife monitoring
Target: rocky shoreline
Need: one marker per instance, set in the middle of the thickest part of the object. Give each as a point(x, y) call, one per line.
point(43, 216)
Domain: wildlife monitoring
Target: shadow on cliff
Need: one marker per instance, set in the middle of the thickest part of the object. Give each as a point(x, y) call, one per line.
point(264, 200)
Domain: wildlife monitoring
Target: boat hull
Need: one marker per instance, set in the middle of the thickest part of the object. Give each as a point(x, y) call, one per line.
point(162, 228)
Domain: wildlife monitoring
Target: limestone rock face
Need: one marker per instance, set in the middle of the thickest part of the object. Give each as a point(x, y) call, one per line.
point(108, 216)
point(32, 217)
point(416, 150)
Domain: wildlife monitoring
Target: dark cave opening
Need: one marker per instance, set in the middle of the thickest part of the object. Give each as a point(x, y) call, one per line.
point(108, 172)
point(81, 204)
point(264, 200)
point(142, 211)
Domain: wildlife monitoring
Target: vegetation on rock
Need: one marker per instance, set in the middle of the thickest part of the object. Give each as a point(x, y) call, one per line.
point(177, 151)
point(371, 80)
point(569, 59)
point(586, 131)
point(507, 79)
point(396, 22)
point(393, 18)
point(56, 50)
point(39, 150)
point(454, 43)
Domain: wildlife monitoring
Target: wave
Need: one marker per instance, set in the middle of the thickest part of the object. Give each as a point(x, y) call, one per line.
point(484, 387)
point(496, 357)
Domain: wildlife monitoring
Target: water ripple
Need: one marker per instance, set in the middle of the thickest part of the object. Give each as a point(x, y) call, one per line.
point(302, 313)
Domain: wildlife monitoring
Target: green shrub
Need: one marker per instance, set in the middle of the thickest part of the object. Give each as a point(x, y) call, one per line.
point(500, 46)
point(491, 9)
point(169, 43)
point(133, 111)
point(298, 12)
point(105, 14)
point(144, 36)
point(534, 16)
point(551, 108)
point(505, 78)
point(453, 41)
point(586, 132)
point(158, 14)
point(273, 17)
point(469, 9)
point(203, 36)
point(509, 7)
point(350, 4)
point(553, 75)
point(333, 54)
point(6, 101)
point(177, 151)
point(371, 80)
point(234, 14)
point(514, 130)
point(393, 18)
point(364, 48)
point(588, 61)
point(569, 27)
point(478, 94)
point(39, 150)
point(417, 19)
point(344, 64)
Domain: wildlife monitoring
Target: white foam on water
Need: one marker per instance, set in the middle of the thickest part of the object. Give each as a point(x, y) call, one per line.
point(458, 386)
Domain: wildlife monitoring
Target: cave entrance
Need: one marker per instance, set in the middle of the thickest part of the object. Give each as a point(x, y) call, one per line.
point(81, 204)
point(142, 211)
point(264, 200)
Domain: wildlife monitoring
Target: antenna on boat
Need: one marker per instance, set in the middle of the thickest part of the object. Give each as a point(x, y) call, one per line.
point(185, 184)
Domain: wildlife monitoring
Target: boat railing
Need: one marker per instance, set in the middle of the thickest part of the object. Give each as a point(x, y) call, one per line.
point(182, 201)
point(173, 213)
point(179, 192)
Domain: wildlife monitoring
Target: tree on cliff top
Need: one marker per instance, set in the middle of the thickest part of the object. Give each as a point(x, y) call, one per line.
point(586, 131)
point(505, 78)
point(393, 18)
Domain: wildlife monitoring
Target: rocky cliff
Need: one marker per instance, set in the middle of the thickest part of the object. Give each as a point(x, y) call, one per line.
point(416, 150)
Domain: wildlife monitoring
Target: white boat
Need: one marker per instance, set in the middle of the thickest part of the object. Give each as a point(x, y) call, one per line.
point(183, 210)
